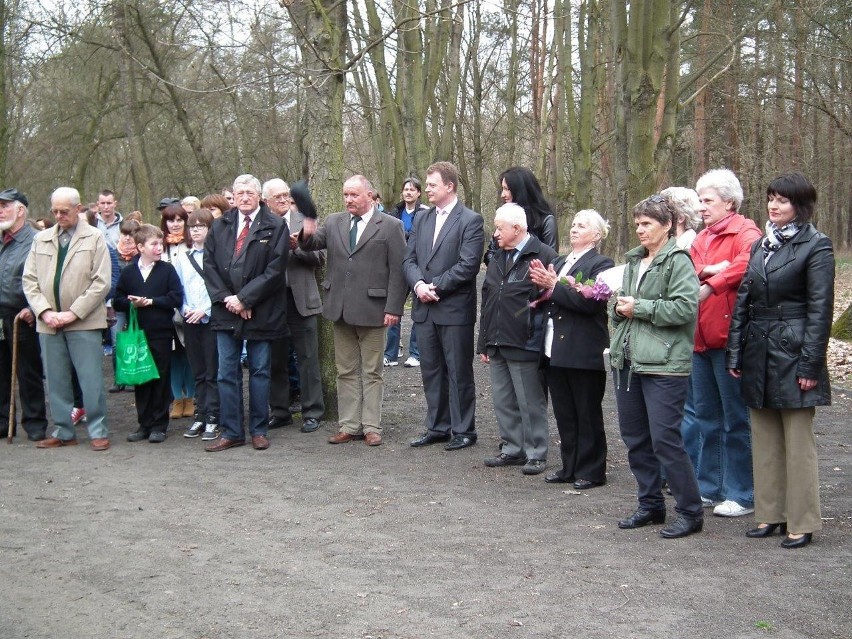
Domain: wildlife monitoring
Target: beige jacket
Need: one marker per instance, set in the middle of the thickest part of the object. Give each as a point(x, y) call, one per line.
point(85, 280)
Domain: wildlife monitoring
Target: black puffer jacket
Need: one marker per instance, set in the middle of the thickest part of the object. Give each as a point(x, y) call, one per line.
point(781, 323)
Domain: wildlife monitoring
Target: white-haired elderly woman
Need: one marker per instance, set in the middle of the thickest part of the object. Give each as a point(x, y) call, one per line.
point(575, 338)
point(685, 203)
point(715, 427)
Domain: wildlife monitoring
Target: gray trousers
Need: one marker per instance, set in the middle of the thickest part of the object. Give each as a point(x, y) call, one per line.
point(520, 407)
point(84, 349)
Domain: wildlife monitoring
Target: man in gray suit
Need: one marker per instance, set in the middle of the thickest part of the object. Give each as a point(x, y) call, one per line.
point(441, 265)
point(365, 292)
point(303, 306)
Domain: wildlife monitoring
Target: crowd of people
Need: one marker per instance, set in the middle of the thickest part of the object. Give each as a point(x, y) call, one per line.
point(715, 337)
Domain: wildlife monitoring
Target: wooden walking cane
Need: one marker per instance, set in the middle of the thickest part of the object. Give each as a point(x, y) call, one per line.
point(14, 379)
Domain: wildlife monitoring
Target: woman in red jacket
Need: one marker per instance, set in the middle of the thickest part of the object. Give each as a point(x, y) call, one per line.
point(715, 428)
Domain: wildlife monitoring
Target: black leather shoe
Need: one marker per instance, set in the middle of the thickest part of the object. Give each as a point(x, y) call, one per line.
point(682, 526)
point(460, 441)
point(157, 437)
point(766, 531)
point(556, 478)
point(280, 422)
point(585, 484)
point(534, 467)
point(504, 460)
point(309, 425)
point(801, 542)
point(643, 517)
point(428, 438)
point(138, 436)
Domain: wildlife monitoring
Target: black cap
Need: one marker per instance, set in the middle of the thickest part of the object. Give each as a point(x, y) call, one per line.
point(167, 201)
point(14, 195)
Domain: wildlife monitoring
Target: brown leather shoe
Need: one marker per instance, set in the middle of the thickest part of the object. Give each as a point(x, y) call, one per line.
point(55, 442)
point(342, 438)
point(100, 444)
point(259, 442)
point(223, 444)
point(372, 439)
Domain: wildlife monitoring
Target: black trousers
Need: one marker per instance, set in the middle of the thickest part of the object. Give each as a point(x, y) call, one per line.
point(576, 395)
point(153, 398)
point(203, 356)
point(650, 410)
point(30, 377)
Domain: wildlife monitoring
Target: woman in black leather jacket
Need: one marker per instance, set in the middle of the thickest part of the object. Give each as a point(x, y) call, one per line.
point(519, 185)
point(777, 344)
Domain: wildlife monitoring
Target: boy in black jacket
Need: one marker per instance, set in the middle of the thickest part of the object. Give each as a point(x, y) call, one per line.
point(153, 287)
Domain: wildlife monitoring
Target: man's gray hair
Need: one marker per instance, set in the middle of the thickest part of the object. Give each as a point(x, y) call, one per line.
point(595, 220)
point(66, 193)
point(725, 183)
point(275, 183)
point(247, 179)
point(513, 214)
point(685, 203)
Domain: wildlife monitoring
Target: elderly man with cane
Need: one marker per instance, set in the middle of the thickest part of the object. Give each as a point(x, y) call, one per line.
point(19, 348)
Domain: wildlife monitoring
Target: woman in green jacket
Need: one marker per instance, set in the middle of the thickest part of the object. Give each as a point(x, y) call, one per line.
point(651, 357)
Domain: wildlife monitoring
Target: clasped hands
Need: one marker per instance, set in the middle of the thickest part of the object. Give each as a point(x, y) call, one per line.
point(426, 292)
point(57, 320)
point(233, 304)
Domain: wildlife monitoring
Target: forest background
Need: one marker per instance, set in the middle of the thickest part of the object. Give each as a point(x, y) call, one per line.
point(606, 101)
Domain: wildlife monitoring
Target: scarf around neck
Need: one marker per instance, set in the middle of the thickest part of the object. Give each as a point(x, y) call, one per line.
point(127, 248)
point(777, 237)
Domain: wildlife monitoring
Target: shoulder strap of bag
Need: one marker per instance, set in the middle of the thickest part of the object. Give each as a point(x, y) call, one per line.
point(195, 264)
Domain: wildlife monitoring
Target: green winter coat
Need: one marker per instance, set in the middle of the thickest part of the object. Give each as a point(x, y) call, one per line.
point(661, 333)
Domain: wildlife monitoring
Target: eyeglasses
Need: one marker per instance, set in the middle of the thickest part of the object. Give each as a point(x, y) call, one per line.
point(61, 211)
point(197, 227)
point(280, 196)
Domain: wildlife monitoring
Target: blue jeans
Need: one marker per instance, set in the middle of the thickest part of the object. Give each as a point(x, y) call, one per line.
point(716, 431)
point(393, 340)
point(230, 384)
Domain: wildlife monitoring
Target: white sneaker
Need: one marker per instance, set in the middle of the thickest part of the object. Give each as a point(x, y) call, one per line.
point(389, 362)
point(730, 508)
point(412, 362)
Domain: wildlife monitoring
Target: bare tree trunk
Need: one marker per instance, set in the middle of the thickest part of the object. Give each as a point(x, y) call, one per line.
point(320, 29)
point(139, 165)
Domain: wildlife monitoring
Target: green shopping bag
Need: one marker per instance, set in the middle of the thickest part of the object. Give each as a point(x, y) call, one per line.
point(134, 363)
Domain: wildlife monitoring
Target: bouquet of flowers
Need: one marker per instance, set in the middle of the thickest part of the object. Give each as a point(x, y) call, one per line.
point(591, 289)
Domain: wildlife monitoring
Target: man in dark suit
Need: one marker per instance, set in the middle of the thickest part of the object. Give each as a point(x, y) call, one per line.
point(246, 257)
point(303, 306)
point(441, 265)
point(365, 293)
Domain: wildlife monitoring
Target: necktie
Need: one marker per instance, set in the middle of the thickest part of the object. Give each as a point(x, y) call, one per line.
point(241, 238)
point(353, 233)
point(510, 258)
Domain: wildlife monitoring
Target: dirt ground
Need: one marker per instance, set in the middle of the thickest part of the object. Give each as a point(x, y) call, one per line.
point(312, 540)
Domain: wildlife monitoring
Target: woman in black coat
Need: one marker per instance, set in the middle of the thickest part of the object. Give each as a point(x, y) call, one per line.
point(519, 185)
point(574, 342)
point(777, 344)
